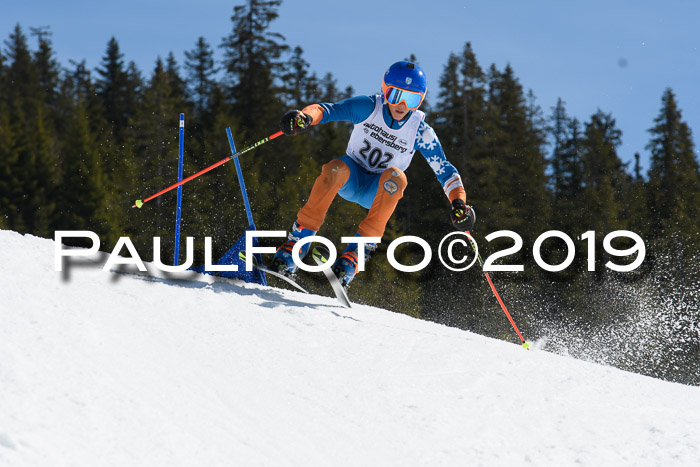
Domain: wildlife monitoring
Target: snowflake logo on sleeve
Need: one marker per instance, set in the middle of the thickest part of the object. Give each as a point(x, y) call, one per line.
point(428, 139)
point(437, 164)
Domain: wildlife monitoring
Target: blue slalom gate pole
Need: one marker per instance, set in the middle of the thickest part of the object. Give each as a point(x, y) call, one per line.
point(251, 225)
point(240, 178)
point(179, 191)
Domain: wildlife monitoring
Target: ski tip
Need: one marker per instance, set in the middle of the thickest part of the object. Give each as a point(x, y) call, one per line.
point(243, 257)
point(320, 253)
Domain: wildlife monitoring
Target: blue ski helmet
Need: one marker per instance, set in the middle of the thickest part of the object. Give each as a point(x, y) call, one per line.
point(405, 76)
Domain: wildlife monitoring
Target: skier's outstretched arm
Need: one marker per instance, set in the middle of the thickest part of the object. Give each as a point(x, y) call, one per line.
point(355, 110)
point(428, 144)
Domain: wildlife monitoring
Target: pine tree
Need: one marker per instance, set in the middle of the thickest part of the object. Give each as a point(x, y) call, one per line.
point(604, 177)
point(673, 224)
point(177, 84)
point(560, 122)
point(674, 176)
point(300, 86)
point(29, 175)
point(516, 144)
point(571, 162)
point(252, 63)
point(23, 78)
point(635, 206)
point(473, 101)
point(154, 141)
point(253, 66)
point(462, 105)
point(459, 124)
point(568, 213)
point(466, 128)
point(113, 88)
point(460, 121)
point(133, 92)
point(208, 203)
point(200, 69)
point(8, 154)
point(83, 193)
point(47, 65)
point(118, 89)
point(86, 92)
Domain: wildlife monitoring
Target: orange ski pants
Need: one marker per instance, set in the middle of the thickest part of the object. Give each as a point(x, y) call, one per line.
point(392, 183)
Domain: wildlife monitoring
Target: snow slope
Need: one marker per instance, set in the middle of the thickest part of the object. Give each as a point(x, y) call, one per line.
point(113, 369)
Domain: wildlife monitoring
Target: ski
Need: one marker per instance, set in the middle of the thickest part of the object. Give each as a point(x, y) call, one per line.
point(266, 270)
point(320, 255)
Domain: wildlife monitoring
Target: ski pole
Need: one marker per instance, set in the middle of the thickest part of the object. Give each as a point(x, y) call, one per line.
point(498, 297)
point(140, 203)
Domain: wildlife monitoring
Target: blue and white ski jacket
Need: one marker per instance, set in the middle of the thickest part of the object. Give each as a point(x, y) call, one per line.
point(358, 109)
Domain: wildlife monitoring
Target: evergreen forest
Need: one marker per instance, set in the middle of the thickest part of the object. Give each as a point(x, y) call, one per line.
point(79, 145)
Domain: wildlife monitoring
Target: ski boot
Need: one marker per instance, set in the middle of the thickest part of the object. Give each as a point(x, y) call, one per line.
point(345, 267)
point(283, 262)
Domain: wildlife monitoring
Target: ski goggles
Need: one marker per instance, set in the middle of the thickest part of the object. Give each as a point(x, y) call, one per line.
point(395, 96)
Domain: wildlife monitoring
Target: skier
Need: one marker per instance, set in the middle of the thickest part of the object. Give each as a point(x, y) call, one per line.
point(388, 129)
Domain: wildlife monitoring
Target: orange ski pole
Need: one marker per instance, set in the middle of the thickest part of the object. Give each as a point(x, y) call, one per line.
point(140, 203)
point(498, 297)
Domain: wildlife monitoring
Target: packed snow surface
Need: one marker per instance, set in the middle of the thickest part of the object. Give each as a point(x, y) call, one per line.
point(124, 369)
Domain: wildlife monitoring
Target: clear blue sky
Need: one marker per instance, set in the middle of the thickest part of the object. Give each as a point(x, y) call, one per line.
point(618, 56)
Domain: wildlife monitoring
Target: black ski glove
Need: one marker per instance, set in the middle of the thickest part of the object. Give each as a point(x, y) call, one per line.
point(295, 122)
point(463, 216)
